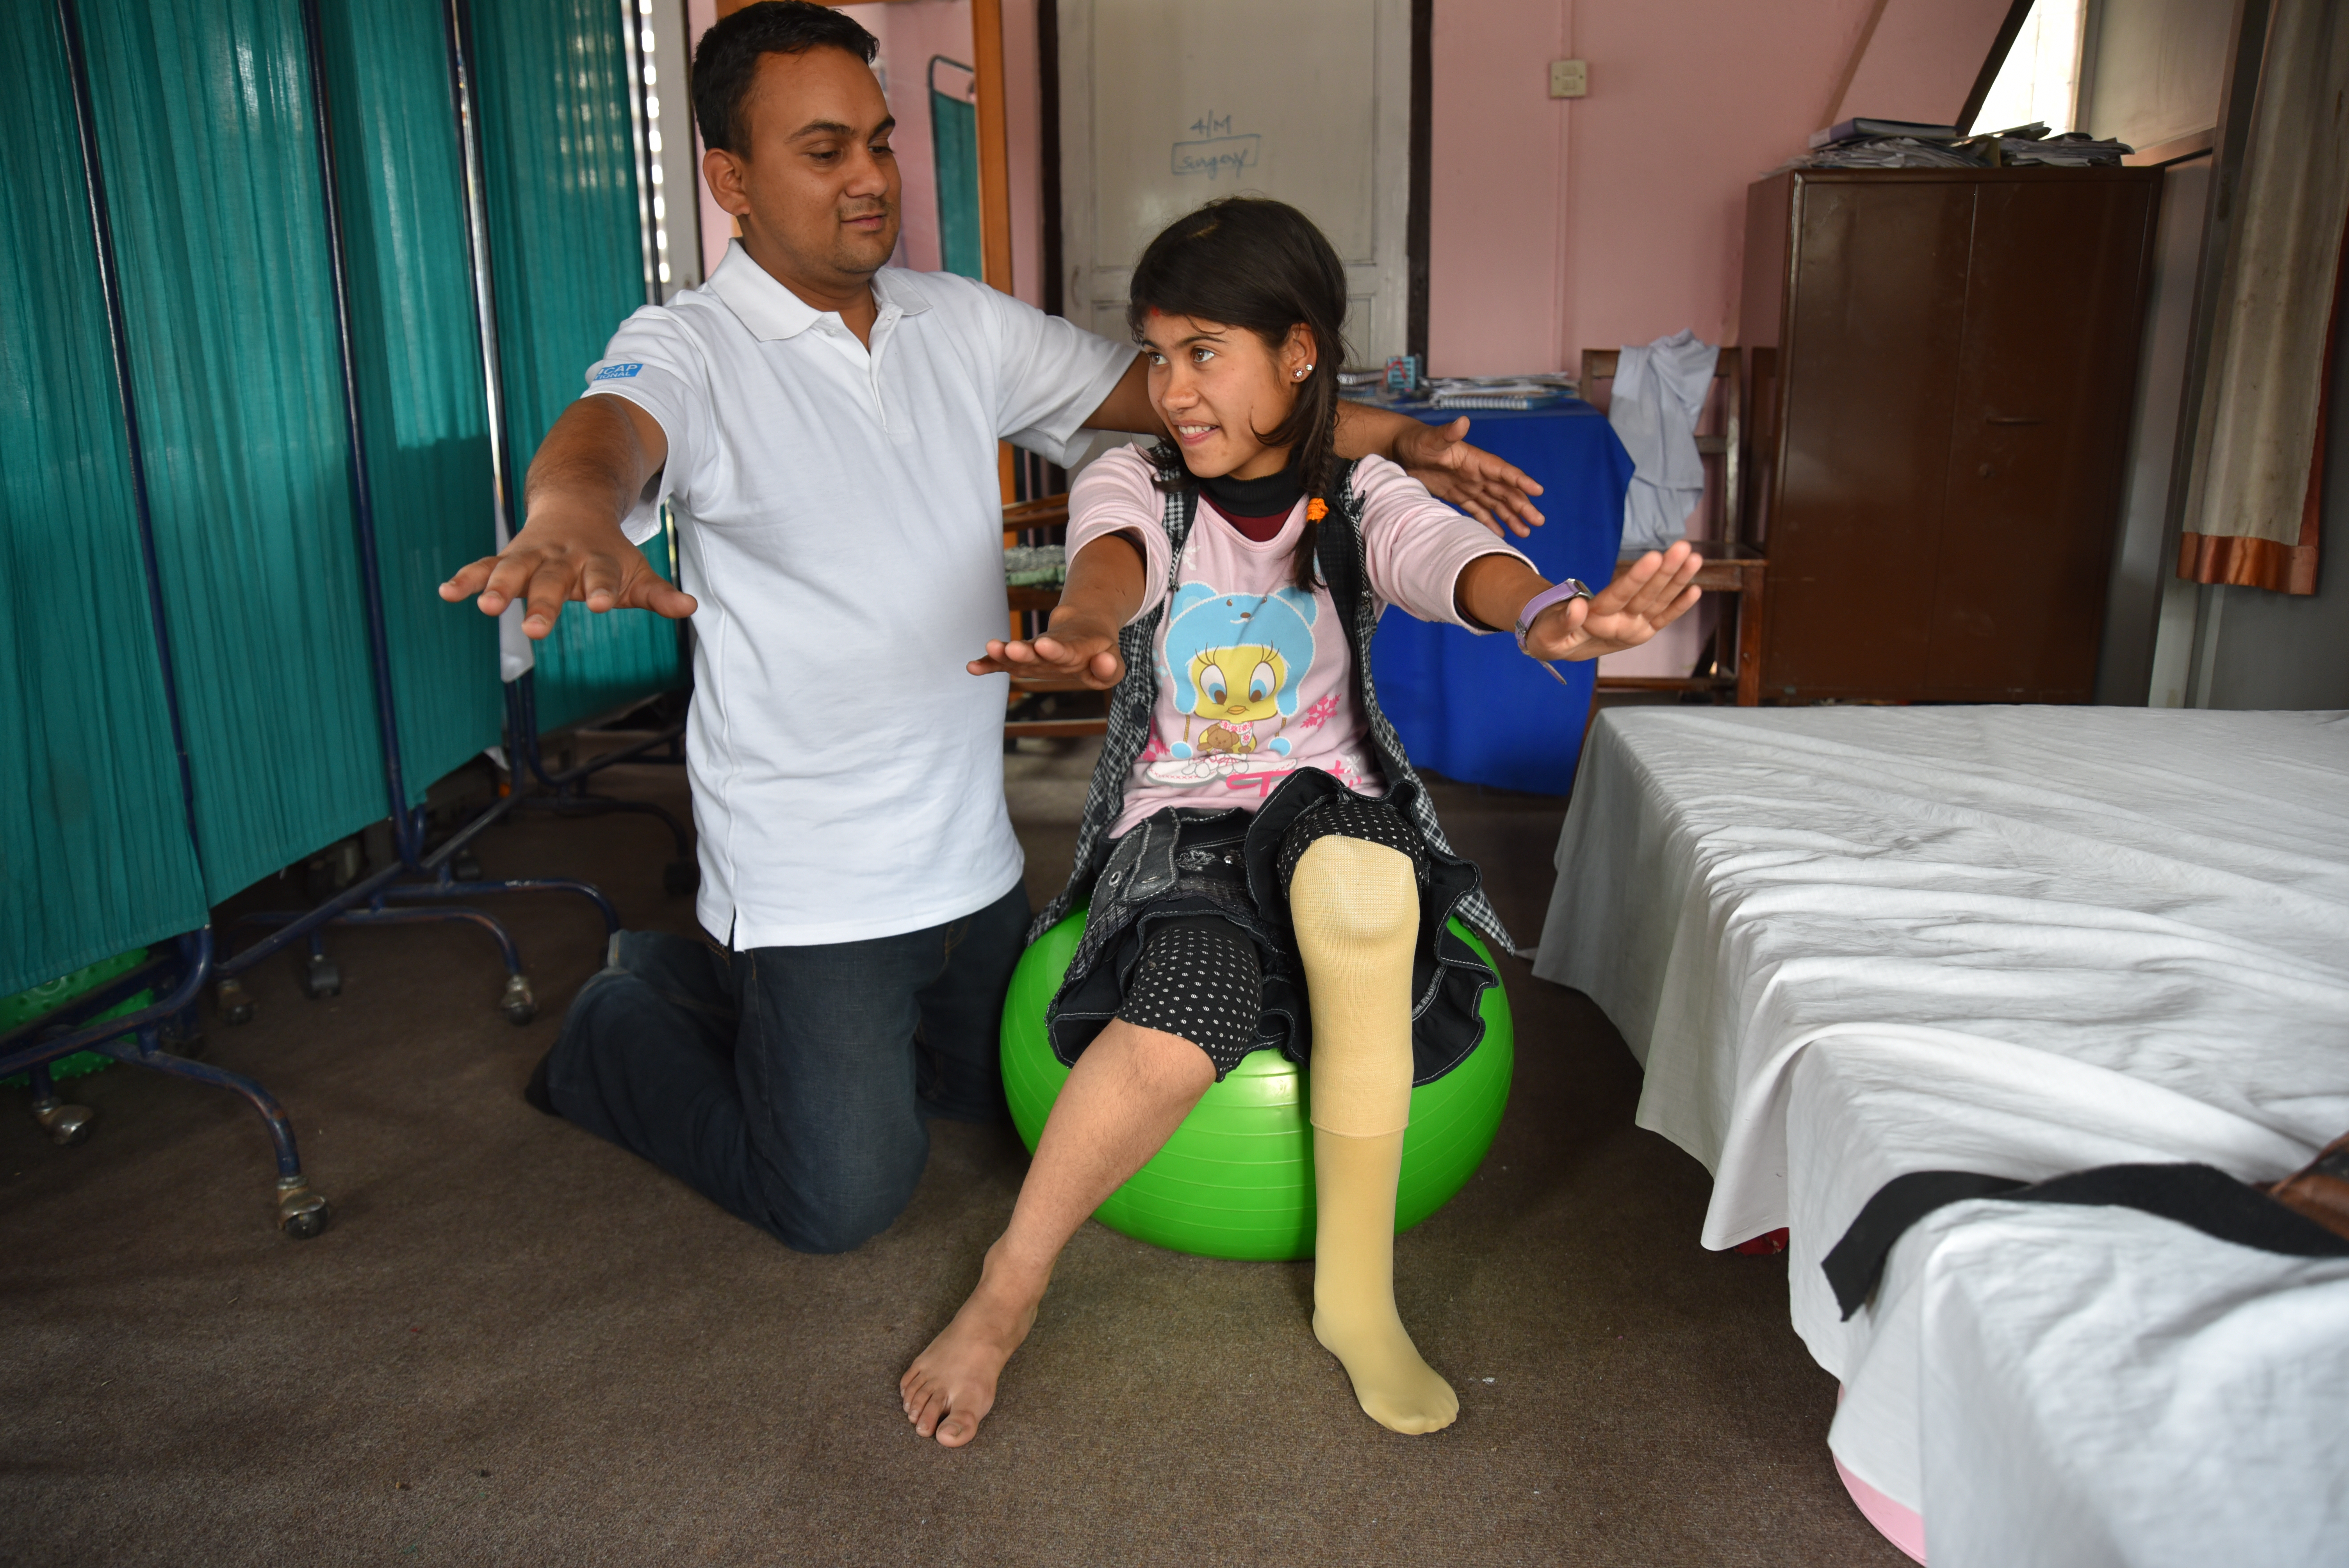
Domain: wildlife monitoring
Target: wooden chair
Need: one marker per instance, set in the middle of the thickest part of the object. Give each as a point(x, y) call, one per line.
point(1733, 563)
point(1045, 512)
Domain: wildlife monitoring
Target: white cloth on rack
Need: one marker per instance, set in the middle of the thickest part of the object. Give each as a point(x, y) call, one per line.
point(1660, 390)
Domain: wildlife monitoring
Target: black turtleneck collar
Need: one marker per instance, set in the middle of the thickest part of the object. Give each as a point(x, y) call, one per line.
point(1275, 495)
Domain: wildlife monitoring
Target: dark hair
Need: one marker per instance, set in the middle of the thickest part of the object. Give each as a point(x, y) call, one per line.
point(1252, 263)
point(726, 66)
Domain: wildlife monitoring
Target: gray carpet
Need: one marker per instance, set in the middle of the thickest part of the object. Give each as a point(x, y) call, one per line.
point(519, 1344)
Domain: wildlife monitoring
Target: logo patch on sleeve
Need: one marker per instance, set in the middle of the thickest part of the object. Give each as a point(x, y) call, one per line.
point(613, 372)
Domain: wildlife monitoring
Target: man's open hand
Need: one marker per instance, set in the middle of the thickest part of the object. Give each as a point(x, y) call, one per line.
point(550, 563)
point(1474, 481)
point(1653, 592)
point(1075, 648)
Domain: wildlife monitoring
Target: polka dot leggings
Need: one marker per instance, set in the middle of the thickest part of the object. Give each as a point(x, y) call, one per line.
point(1199, 976)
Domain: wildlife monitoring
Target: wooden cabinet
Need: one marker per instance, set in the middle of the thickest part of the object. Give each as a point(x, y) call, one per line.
point(1941, 364)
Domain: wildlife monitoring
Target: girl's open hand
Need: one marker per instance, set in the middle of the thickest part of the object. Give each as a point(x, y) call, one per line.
point(1074, 648)
point(1655, 590)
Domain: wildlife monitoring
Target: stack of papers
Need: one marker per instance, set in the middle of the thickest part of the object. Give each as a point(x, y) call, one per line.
point(2073, 149)
point(1862, 129)
point(2025, 144)
point(1538, 391)
point(1890, 152)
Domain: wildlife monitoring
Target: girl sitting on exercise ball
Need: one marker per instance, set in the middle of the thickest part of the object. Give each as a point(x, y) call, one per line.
point(1264, 869)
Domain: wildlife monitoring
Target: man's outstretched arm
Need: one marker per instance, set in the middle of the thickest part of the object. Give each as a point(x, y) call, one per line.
point(587, 475)
point(1474, 481)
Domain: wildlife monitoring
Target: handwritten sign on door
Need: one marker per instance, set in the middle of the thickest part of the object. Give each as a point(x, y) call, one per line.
point(1216, 152)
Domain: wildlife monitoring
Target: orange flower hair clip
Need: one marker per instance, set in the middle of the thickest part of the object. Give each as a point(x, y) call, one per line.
point(1316, 510)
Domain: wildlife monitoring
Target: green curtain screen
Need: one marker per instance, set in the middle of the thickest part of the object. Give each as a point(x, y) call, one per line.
point(567, 257)
point(207, 137)
point(94, 851)
point(212, 167)
point(423, 407)
point(954, 144)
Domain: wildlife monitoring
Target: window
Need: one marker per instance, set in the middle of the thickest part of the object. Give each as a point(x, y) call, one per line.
point(2040, 79)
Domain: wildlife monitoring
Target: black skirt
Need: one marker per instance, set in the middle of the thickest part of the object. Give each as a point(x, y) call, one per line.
point(1186, 862)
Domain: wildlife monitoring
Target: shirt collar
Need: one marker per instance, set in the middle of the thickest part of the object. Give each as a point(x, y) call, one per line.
point(772, 312)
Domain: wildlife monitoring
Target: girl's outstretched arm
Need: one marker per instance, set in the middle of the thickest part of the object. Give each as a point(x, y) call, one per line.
point(1655, 590)
point(1104, 590)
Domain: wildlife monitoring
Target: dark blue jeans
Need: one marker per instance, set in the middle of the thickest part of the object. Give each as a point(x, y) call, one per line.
point(789, 1084)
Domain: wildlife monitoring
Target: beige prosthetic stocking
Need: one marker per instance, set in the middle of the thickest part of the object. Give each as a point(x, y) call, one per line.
point(1356, 908)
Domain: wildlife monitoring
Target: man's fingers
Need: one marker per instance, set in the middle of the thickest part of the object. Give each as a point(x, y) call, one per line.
point(600, 582)
point(511, 578)
point(469, 579)
point(665, 598)
point(549, 586)
point(1507, 500)
point(1484, 469)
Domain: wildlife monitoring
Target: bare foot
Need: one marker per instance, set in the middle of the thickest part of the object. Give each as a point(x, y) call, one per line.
point(950, 1387)
point(1394, 1387)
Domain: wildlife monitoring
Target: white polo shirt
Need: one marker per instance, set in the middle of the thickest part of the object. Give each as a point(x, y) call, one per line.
point(839, 522)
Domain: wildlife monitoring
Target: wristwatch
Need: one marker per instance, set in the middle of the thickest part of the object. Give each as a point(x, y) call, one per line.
point(1558, 594)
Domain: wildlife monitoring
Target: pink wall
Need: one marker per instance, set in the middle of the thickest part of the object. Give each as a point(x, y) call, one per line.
point(1561, 224)
point(1558, 224)
point(1564, 225)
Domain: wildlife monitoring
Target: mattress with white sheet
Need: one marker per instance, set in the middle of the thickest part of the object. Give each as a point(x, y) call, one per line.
point(1848, 943)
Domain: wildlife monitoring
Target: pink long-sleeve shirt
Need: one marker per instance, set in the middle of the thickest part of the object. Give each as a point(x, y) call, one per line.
point(1254, 674)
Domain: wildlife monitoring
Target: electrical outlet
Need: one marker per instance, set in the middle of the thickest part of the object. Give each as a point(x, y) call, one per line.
point(1570, 78)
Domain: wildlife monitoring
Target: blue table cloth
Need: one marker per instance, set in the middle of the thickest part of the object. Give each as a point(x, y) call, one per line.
point(1473, 708)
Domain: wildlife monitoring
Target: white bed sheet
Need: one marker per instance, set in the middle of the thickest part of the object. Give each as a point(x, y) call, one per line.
point(1848, 943)
point(2103, 1389)
point(1863, 1109)
point(2159, 895)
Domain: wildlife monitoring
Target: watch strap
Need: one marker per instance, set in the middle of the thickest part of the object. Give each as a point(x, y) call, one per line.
point(1557, 593)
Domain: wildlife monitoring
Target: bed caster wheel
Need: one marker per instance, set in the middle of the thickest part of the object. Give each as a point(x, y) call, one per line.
point(235, 1002)
point(518, 1005)
point(465, 866)
point(679, 878)
point(320, 977)
point(67, 1125)
point(301, 1213)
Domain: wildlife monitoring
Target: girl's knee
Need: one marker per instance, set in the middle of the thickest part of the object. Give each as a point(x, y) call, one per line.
point(1350, 892)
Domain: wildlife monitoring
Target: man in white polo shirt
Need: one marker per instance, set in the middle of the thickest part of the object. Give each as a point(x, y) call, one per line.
point(825, 430)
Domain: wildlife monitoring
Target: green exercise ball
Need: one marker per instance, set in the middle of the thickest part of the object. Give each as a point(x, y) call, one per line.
point(1236, 1178)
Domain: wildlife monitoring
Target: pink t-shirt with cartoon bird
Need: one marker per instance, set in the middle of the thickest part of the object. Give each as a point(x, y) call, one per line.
point(1254, 674)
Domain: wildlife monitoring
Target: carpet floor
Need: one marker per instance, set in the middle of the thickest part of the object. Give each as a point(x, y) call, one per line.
point(519, 1344)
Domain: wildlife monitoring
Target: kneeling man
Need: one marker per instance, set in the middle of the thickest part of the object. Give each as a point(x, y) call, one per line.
point(825, 429)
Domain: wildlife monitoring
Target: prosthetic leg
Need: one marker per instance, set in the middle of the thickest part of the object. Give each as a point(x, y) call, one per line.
point(1356, 909)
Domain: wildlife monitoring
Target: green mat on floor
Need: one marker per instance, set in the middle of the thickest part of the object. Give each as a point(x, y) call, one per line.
point(40, 1000)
